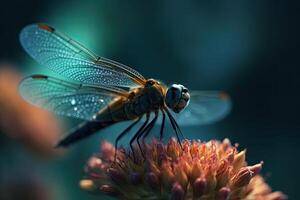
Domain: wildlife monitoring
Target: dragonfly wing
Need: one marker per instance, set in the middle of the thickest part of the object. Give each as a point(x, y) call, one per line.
point(205, 107)
point(72, 60)
point(65, 98)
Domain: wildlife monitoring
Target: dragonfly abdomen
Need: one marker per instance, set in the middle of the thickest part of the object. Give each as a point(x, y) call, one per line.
point(83, 130)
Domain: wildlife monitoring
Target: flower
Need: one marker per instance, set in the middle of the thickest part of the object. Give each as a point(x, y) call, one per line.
point(197, 171)
point(35, 127)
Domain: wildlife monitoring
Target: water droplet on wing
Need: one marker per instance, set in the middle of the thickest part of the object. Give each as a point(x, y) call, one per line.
point(73, 102)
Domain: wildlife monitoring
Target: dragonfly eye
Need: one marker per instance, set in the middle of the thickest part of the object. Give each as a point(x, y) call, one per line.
point(177, 97)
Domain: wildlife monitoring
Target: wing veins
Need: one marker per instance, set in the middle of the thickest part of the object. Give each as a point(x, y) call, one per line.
point(58, 51)
point(117, 66)
point(58, 95)
point(75, 44)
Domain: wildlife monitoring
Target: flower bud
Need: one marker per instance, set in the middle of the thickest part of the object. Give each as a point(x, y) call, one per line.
point(230, 157)
point(135, 178)
point(108, 150)
point(199, 187)
point(255, 169)
point(180, 175)
point(167, 175)
point(196, 170)
point(116, 176)
point(94, 162)
point(173, 149)
point(109, 190)
point(239, 160)
point(177, 192)
point(152, 180)
point(160, 148)
point(222, 174)
point(87, 184)
point(277, 196)
point(223, 193)
point(226, 144)
point(242, 178)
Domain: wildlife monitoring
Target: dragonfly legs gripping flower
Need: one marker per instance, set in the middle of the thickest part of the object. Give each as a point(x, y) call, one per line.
point(137, 134)
point(150, 127)
point(145, 130)
point(123, 134)
point(161, 133)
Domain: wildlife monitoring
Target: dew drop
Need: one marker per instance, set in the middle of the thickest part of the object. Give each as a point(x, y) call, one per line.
point(101, 100)
point(73, 102)
point(75, 108)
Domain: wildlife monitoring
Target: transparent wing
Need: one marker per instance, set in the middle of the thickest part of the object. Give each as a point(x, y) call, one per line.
point(72, 60)
point(205, 107)
point(65, 98)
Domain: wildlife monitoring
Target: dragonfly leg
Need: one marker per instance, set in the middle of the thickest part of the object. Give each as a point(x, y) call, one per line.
point(122, 135)
point(143, 131)
point(150, 127)
point(140, 134)
point(161, 133)
point(174, 125)
point(137, 134)
point(177, 126)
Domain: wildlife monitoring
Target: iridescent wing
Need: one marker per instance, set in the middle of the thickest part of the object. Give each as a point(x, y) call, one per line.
point(70, 59)
point(65, 98)
point(205, 107)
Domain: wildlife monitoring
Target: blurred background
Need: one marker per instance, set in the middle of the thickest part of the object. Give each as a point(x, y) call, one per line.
point(248, 48)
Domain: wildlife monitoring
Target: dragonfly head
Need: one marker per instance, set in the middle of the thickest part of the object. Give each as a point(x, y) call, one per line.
point(177, 97)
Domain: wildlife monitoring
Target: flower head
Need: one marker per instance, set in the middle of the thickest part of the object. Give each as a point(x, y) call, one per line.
point(35, 127)
point(198, 170)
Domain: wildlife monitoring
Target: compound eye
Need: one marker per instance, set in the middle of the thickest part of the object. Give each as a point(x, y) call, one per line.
point(175, 93)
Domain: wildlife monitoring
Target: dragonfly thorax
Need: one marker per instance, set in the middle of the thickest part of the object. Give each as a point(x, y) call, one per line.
point(177, 97)
point(155, 92)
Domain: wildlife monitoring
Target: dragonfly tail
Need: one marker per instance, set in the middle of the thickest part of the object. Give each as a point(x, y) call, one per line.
point(83, 130)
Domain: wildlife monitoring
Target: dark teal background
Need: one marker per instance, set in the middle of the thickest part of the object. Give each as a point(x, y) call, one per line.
point(248, 48)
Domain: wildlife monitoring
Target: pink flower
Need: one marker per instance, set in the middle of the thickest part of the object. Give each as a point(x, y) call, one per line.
point(35, 127)
point(199, 170)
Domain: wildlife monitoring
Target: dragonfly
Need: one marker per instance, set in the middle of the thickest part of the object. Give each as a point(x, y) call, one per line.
point(103, 92)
